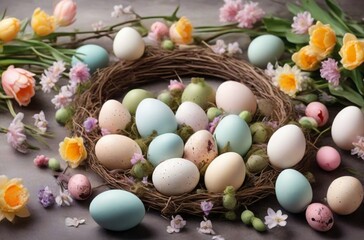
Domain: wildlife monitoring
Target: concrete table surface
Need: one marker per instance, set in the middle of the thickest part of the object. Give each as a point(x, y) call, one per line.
point(49, 223)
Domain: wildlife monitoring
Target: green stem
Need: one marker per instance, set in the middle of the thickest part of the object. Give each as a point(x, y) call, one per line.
point(7, 62)
point(321, 133)
point(10, 107)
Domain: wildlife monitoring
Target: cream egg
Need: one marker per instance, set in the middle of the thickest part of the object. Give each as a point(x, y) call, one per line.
point(191, 114)
point(114, 116)
point(128, 44)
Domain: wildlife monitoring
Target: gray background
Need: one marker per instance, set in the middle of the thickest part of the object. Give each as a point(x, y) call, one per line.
point(49, 223)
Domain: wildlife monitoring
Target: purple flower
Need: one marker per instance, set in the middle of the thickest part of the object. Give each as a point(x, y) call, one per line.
point(15, 134)
point(105, 131)
point(79, 73)
point(229, 11)
point(330, 71)
point(206, 207)
point(250, 14)
point(213, 124)
point(90, 124)
point(46, 197)
point(41, 161)
point(302, 22)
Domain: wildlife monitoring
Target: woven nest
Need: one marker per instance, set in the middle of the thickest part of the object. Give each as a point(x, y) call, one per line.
point(161, 65)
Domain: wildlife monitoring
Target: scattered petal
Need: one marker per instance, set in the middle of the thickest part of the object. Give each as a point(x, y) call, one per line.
point(74, 222)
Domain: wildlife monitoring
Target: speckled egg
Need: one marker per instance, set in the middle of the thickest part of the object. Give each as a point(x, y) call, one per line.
point(114, 116)
point(319, 112)
point(328, 158)
point(319, 217)
point(79, 187)
point(93, 55)
point(191, 114)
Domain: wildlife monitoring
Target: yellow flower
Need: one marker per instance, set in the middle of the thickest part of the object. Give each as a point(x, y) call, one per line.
point(181, 31)
point(289, 80)
point(322, 38)
point(9, 28)
point(42, 23)
point(307, 59)
point(352, 52)
point(73, 151)
point(13, 198)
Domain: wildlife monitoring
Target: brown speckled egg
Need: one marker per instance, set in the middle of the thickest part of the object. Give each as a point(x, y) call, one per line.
point(319, 217)
point(79, 187)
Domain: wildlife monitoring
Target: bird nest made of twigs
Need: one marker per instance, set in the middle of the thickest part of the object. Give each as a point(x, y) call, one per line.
point(162, 65)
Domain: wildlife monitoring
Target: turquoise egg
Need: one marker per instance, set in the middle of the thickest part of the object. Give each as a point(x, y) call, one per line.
point(154, 115)
point(163, 147)
point(117, 210)
point(264, 49)
point(293, 191)
point(234, 132)
point(93, 55)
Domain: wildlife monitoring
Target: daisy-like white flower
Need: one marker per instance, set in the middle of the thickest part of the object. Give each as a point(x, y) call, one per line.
point(275, 218)
point(302, 22)
point(48, 80)
point(229, 10)
point(90, 124)
point(233, 49)
point(63, 98)
point(206, 227)
point(64, 198)
point(176, 224)
point(358, 147)
point(97, 26)
point(206, 207)
point(79, 73)
point(219, 47)
point(15, 134)
point(40, 121)
point(270, 71)
point(330, 71)
point(289, 79)
point(249, 15)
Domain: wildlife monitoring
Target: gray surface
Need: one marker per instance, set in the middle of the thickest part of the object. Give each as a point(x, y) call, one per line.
point(49, 223)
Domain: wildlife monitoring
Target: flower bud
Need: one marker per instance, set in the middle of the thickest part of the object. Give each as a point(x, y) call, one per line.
point(65, 12)
point(246, 116)
point(308, 122)
point(9, 28)
point(247, 216)
point(229, 201)
point(54, 164)
point(42, 24)
point(142, 169)
point(258, 224)
point(260, 132)
point(168, 45)
point(63, 115)
point(213, 112)
point(256, 163)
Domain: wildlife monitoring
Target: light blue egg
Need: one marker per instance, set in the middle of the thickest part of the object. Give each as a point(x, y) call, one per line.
point(234, 131)
point(163, 147)
point(93, 55)
point(264, 49)
point(117, 210)
point(154, 115)
point(293, 191)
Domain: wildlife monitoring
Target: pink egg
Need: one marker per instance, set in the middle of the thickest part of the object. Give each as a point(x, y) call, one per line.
point(318, 111)
point(79, 187)
point(328, 158)
point(319, 217)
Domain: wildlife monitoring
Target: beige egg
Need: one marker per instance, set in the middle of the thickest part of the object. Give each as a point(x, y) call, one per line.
point(228, 169)
point(234, 97)
point(114, 116)
point(345, 195)
point(193, 115)
point(128, 44)
point(115, 151)
point(201, 149)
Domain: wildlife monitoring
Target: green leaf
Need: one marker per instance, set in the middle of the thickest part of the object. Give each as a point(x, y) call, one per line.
point(294, 8)
point(296, 38)
point(357, 78)
point(357, 29)
point(334, 6)
point(349, 94)
point(274, 24)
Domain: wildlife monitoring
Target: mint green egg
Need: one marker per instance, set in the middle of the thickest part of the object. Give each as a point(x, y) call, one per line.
point(117, 210)
point(233, 134)
point(264, 49)
point(93, 55)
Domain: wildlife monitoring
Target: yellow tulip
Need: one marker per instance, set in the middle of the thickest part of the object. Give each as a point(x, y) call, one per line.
point(73, 151)
point(352, 52)
point(322, 38)
point(42, 23)
point(307, 59)
point(9, 28)
point(181, 31)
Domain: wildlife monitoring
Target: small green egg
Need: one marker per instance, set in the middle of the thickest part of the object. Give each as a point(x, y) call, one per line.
point(247, 216)
point(258, 224)
point(54, 164)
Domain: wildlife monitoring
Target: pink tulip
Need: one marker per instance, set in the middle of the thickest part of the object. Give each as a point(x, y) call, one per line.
point(158, 31)
point(65, 12)
point(19, 84)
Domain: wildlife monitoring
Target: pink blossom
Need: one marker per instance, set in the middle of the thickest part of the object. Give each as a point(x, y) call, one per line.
point(79, 73)
point(40, 121)
point(158, 31)
point(358, 147)
point(97, 26)
point(249, 15)
point(137, 157)
point(15, 134)
point(175, 85)
point(120, 10)
point(176, 224)
point(229, 11)
point(302, 22)
point(330, 71)
point(48, 81)
point(105, 131)
point(233, 48)
point(64, 97)
point(206, 207)
point(57, 68)
point(41, 161)
point(219, 47)
point(90, 124)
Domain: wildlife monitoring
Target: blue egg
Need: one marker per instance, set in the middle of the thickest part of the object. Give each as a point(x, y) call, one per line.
point(93, 55)
point(117, 210)
point(154, 115)
point(293, 191)
point(234, 132)
point(163, 147)
point(264, 49)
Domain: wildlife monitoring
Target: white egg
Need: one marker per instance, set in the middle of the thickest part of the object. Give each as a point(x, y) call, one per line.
point(347, 125)
point(286, 147)
point(114, 116)
point(175, 176)
point(193, 115)
point(128, 44)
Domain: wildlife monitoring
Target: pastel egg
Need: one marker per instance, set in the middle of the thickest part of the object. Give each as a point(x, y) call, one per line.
point(347, 125)
point(264, 49)
point(328, 158)
point(79, 187)
point(234, 97)
point(153, 115)
point(191, 114)
point(317, 111)
point(233, 133)
point(93, 55)
point(293, 191)
point(286, 147)
point(319, 217)
point(117, 210)
point(115, 151)
point(114, 116)
point(163, 147)
point(128, 44)
point(133, 97)
point(175, 176)
point(345, 195)
point(227, 169)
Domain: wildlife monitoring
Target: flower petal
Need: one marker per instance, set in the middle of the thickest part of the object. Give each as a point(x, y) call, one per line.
point(23, 212)
point(271, 212)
